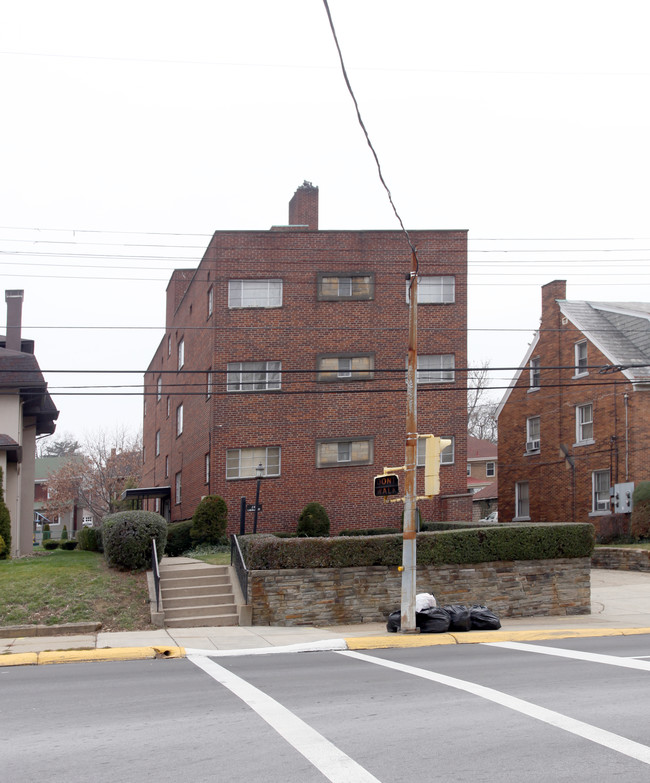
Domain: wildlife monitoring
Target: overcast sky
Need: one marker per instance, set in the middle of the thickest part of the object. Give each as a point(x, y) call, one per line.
point(131, 131)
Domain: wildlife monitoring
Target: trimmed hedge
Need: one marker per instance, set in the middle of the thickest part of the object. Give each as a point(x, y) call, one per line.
point(51, 543)
point(473, 545)
point(90, 539)
point(127, 539)
point(69, 544)
point(373, 531)
point(179, 539)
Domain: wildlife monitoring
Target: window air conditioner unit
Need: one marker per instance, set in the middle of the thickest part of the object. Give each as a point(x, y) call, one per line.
point(532, 445)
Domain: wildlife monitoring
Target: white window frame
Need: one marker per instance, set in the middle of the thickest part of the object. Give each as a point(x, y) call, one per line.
point(179, 420)
point(490, 469)
point(157, 452)
point(345, 448)
point(535, 374)
point(167, 466)
point(242, 463)
point(208, 384)
point(533, 434)
point(169, 345)
point(469, 469)
point(178, 483)
point(434, 289)
point(181, 353)
point(254, 376)
point(436, 368)
point(169, 406)
point(583, 423)
point(580, 359)
point(159, 388)
point(210, 300)
point(522, 504)
point(207, 467)
point(447, 455)
point(600, 503)
point(263, 292)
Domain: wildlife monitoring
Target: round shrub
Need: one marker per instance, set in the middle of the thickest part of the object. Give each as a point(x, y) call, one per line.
point(179, 539)
point(313, 521)
point(127, 535)
point(50, 543)
point(69, 544)
point(209, 521)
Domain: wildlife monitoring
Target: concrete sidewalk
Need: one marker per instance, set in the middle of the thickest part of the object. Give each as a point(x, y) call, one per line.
point(620, 601)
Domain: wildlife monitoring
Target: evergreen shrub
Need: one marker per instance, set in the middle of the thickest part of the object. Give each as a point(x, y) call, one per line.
point(90, 539)
point(209, 521)
point(179, 539)
point(313, 521)
point(5, 521)
point(50, 543)
point(64, 533)
point(69, 544)
point(472, 545)
point(127, 535)
point(3, 547)
point(640, 517)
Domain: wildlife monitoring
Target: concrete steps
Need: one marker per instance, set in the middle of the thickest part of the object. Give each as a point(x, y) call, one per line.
point(196, 594)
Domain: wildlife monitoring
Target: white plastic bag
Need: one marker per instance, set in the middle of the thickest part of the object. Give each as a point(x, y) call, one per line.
point(424, 601)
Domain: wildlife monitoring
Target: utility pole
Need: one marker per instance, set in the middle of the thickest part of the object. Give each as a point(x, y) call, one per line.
point(409, 554)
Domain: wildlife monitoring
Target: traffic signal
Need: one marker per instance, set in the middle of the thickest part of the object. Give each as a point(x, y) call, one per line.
point(386, 484)
point(434, 447)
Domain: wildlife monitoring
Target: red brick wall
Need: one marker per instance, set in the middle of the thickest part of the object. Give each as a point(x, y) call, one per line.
point(304, 411)
point(558, 491)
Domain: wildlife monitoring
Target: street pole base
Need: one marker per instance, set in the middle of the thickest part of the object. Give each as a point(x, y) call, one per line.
point(409, 630)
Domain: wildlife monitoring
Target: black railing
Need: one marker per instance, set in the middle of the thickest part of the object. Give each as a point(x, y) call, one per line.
point(237, 562)
point(156, 572)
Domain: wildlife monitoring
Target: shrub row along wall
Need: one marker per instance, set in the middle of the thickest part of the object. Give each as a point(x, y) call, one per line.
point(337, 596)
point(623, 559)
point(518, 571)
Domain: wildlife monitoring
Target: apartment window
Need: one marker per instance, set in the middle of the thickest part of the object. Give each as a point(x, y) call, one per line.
point(241, 463)
point(522, 500)
point(581, 359)
point(600, 491)
point(158, 443)
point(208, 384)
point(207, 468)
point(167, 466)
point(338, 453)
point(447, 455)
point(532, 434)
point(346, 367)
point(345, 287)
point(156, 505)
point(210, 301)
point(437, 368)
point(535, 373)
point(469, 469)
point(434, 290)
point(254, 293)
point(181, 353)
point(585, 423)
point(253, 376)
point(159, 389)
point(490, 469)
point(178, 487)
point(169, 345)
point(169, 406)
point(179, 420)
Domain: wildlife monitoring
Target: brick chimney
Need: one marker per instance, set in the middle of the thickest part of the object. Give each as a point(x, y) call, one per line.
point(303, 207)
point(14, 300)
point(552, 291)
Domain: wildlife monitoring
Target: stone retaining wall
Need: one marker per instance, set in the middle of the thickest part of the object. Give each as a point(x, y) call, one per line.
point(624, 559)
point(339, 596)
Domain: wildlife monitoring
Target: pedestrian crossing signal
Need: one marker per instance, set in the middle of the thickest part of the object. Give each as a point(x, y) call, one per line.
point(386, 484)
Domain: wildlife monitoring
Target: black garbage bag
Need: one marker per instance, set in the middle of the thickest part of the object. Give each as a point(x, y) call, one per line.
point(459, 617)
point(434, 620)
point(394, 621)
point(483, 619)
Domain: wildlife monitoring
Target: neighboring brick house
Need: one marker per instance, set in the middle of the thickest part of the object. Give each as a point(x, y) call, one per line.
point(482, 476)
point(26, 411)
point(75, 517)
point(575, 422)
point(287, 348)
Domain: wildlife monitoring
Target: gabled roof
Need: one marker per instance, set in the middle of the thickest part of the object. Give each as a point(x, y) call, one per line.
point(487, 493)
point(478, 448)
point(620, 330)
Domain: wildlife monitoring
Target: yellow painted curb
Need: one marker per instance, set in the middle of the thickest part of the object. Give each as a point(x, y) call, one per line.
point(19, 659)
point(84, 656)
point(403, 641)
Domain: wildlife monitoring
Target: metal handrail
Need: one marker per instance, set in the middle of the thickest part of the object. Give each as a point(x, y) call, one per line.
point(156, 572)
point(238, 563)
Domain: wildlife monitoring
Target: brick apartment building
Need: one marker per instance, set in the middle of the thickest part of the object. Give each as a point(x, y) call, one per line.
point(287, 348)
point(575, 422)
point(482, 476)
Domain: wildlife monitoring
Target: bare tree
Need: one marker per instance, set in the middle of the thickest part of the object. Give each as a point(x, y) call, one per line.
point(481, 410)
point(96, 478)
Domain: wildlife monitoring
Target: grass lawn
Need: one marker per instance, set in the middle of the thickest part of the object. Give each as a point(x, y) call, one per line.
point(218, 558)
point(54, 587)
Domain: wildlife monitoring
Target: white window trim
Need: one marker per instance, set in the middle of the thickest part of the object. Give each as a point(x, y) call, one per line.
point(446, 372)
point(530, 440)
point(268, 368)
point(265, 463)
point(584, 441)
point(578, 373)
point(599, 512)
point(421, 452)
point(159, 388)
point(446, 284)
point(494, 470)
point(178, 488)
point(534, 369)
point(181, 353)
point(157, 449)
point(271, 298)
point(526, 517)
point(179, 420)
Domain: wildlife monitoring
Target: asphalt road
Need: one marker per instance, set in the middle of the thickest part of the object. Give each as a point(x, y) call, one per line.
point(463, 713)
